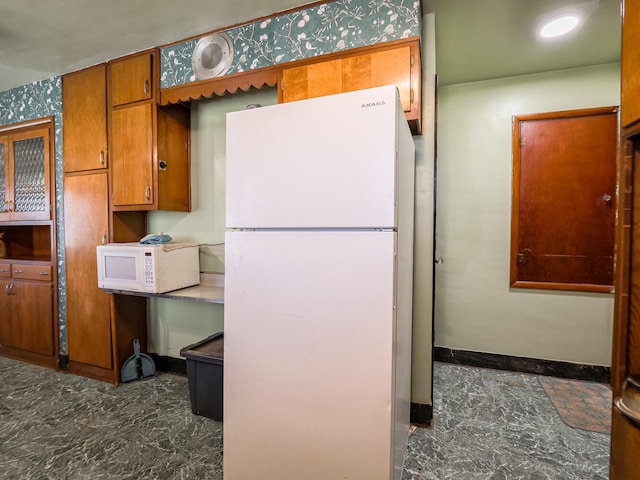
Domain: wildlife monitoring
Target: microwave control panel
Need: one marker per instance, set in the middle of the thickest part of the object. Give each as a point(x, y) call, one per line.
point(148, 269)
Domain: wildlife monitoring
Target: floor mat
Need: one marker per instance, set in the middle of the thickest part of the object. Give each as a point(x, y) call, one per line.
point(584, 405)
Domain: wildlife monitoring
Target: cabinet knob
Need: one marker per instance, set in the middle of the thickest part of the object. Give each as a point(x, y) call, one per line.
point(147, 192)
point(18, 271)
point(44, 274)
point(101, 157)
point(145, 87)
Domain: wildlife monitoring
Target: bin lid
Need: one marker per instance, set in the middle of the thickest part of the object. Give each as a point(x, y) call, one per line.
point(212, 346)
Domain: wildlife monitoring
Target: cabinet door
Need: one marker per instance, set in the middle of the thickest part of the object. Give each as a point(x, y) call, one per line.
point(397, 65)
point(84, 105)
point(388, 67)
point(86, 225)
point(131, 79)
point(27, 176)
point(32, 312)
point(630, 65)
point(7, 325)
point(315, 80)
point(5, 175)
point(132, 155)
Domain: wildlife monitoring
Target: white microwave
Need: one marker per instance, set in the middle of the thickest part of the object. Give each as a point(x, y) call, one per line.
point(148, 268)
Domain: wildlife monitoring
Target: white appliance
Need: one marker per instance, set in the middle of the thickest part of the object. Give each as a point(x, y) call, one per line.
point(148, 268)
point(318, 289)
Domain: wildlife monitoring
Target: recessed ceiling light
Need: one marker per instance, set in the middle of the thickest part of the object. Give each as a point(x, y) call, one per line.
point(559, 25)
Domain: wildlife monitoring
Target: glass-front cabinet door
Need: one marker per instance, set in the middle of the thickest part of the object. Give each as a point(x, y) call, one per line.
point(4, 174)
point(25, 176)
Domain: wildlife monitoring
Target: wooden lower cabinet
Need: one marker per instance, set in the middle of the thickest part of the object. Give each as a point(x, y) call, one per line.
point(27, 328)
point(100, 327)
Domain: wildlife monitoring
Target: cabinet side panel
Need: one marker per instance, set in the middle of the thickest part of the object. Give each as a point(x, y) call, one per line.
point(174, 166)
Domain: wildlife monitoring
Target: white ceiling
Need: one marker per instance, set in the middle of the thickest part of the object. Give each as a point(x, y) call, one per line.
point(483, 39)
point(475, 39)
point(39, 39)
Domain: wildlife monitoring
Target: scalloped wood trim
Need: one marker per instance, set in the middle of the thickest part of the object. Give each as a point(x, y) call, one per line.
point(220, 86)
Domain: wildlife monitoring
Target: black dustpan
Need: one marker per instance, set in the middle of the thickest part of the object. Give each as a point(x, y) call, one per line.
point(137, 366)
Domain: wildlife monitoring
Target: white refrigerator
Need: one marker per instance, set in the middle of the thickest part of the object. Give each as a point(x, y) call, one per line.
point(318, 289)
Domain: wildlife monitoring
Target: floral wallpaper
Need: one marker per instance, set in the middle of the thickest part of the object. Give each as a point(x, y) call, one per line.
point(313, 31)
point(29, 102)
point(321, 29)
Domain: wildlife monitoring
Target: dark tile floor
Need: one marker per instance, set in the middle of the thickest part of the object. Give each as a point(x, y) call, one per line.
point(494, 425)
point(488, 425)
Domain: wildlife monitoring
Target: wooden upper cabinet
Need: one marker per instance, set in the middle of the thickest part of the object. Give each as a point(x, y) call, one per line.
point(131, 79)
point(132, 153)
point(630, 84)
point(314, 80)
point(26, 171)
point(388, 67)
point(149, 145)
point(395, 64)
point(84, 109)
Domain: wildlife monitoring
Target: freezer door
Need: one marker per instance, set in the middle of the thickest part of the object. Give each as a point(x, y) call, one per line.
point(309, 356)
point(324, 162)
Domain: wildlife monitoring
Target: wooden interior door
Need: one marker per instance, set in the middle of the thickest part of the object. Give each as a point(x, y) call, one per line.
point(564, 190)
point(625, 360)
point(625, 431)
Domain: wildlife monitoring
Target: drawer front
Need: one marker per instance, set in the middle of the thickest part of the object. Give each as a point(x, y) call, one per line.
point(32, 272)
point(5, 270)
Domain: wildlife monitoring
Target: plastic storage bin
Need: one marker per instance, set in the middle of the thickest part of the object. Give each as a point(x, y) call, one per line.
point(204, 371)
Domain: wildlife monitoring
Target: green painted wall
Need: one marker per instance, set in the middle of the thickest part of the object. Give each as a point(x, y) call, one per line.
point(475, 309)
point(174, 324)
